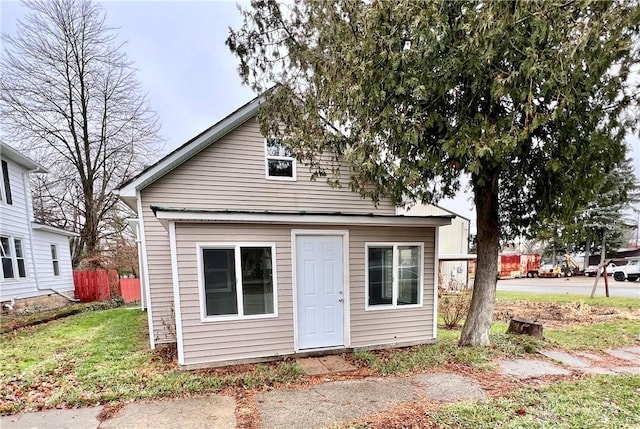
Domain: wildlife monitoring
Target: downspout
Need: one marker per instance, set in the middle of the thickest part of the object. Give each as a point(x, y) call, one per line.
point(27, 198)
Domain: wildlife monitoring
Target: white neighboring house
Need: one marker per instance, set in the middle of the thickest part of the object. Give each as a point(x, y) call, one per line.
point(36, 258)
point(453, 243)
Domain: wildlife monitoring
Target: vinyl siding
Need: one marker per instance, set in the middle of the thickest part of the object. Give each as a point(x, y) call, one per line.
point(42, 241)
point(159, 271)
point(274, 336)
point(398, 325)
point(15, 221)
point(240, 339)
point(229, 174)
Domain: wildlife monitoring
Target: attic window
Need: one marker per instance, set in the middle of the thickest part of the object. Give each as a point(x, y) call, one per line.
point(279, 164)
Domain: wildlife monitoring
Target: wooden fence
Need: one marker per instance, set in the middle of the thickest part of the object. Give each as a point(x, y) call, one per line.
point(101, 285)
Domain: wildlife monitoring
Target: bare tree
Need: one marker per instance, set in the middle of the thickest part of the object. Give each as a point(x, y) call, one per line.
point(70, 99)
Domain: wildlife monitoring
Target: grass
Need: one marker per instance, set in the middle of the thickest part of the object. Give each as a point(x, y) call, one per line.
point(595, 402)
point(446, 351)
point(619, 302)
point(101, 356)
point(599, 336)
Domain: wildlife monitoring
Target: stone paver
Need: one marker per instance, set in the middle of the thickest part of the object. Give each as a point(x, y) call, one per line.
point(312, 366)
point(624, 354)
point(591, 356)
point(530, 368)
point(565, 358)
point(445, 387)
point(79, 418)
point(336, 364)
point(332, 403)
point(635, 350)
point(211, 412)
point(324, 365)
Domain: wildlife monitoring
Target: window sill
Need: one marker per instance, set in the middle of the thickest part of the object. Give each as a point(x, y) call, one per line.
point(392, 307)
point(236, 318)
point(282, 178)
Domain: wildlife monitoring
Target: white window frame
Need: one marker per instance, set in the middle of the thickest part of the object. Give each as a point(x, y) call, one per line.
point(11, 241)
point(236, 246)
point(3, 196)
point(16, 258)
point(55, 261)
point(268, 157)
point(395, 289)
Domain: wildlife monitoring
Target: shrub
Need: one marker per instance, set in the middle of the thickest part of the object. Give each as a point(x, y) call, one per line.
point(453, 305)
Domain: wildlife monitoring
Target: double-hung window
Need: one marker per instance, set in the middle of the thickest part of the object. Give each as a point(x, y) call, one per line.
point(22, 271)
point(279, 163)
point(55, 260)
point(7, 259)
point(12, 254)
point(237, 280)
point(394, 274)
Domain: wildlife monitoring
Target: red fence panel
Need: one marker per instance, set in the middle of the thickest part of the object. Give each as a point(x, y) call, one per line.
point(130, 290)
point(94, 285)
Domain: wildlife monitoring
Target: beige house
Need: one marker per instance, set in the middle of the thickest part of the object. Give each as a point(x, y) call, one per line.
point(244, 258)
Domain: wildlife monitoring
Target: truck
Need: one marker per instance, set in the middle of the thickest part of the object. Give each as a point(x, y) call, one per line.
point(630, 272)
point(518, 265)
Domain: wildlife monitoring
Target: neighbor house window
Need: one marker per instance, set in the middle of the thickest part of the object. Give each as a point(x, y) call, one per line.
point(54, 258)
point(22, 272)
point(5, 193)
point(238, 280)
point(12, 258)
point(279, 162)
point(394, 275)
point(7, 259)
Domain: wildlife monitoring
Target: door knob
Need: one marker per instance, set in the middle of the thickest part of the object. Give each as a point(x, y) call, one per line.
point(341, 300)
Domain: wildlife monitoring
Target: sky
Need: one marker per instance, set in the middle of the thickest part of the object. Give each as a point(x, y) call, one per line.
point(189, 74)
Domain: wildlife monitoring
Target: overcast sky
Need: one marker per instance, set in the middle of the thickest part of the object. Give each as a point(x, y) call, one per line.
point(190, 75)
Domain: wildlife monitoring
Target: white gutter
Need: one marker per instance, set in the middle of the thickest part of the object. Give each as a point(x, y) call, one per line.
point(27, 198)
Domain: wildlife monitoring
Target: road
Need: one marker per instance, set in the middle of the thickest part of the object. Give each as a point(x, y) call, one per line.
point(571, 285)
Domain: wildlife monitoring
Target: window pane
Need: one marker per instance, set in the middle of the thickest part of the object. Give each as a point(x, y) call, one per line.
point(280, 168)
point(220, 281)
point(56, 268)
point(4, 247)
point(18, 244)
point(380, 275)
point(408, 274)
point(276, 148)
point(7, 262)
point(257, 280)
point(7, 183)
point(21, 268)
point(54, 252)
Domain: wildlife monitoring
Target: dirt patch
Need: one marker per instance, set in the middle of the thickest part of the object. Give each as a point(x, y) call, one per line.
point(553, 315)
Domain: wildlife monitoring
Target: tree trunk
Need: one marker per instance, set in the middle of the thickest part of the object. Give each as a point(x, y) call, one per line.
point(475, 331)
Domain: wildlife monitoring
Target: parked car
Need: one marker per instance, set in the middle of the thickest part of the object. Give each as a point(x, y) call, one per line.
point(592, 269)
point(630, 272)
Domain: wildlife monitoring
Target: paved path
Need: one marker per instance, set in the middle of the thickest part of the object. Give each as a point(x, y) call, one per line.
point(325, 404)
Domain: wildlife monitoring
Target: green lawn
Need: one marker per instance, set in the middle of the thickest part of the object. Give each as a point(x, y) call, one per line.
point(602, 301)
point(102, 356)
point(594, 402)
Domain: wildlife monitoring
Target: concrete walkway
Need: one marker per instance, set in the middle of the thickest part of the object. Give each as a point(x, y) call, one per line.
point(326, 404)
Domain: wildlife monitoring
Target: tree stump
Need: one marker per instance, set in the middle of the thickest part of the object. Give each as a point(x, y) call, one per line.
point(525, 327)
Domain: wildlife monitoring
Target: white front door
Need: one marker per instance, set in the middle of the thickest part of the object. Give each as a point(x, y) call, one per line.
point(319, 291)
